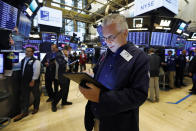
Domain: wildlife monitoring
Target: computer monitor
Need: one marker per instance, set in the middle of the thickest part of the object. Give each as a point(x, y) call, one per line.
point(21, 56)
point(8, 15)
point(1, 64)
point(42, 55)
point(166, 51)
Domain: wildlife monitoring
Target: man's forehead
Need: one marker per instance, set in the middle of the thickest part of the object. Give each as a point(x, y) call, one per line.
point(110, 28)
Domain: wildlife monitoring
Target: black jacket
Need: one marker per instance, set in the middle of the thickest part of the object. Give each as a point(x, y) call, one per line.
point(155, 63)
point(118, 109)
point(192, 65)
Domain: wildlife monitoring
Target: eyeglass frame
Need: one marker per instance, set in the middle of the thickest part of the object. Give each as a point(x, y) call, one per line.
point(111, 37)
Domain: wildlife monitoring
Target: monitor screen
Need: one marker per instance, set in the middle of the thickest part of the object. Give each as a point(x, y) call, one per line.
point(1, 64)
point(24, 26)
point(63, 39)
point(194, 44)
point(49, 37)
point(139, 38)
point(166, 51)
point(74, 46)
point(21, 56)
point(161, 39)
point(50, 17)
point(15, 58)
point(194, 36)
point(42, 55)
point(33, 6)
point(8, 16)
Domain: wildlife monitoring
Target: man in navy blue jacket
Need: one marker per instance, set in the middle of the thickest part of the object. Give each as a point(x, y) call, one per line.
point(124, 71)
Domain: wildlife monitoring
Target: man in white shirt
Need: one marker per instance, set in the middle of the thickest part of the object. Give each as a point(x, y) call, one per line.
point(30, 72)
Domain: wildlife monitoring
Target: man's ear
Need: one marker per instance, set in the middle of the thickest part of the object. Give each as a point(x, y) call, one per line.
point(125, 33)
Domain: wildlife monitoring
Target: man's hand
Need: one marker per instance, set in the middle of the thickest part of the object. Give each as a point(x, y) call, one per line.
point(89, 72)
point(91, 94)
point(32, 83)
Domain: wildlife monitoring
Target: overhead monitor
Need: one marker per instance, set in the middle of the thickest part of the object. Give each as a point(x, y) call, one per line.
point(160, 39)
point(24, 26)
point(194, 36)
point(8, 16)
point(50, 17)
point(33, 6)
point(139, 38)
point(1, 64)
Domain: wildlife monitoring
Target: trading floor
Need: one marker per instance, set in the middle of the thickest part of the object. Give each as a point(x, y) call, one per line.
point(162, 116)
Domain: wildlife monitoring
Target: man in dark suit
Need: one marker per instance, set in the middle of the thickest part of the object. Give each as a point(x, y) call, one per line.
point(192, 73)
point(62, 65)
point(180, 66)
point(124, 71)
point(49, 63)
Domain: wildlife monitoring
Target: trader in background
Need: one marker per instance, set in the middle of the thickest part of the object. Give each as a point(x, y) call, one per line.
point(171, 67)
point(49, 63)
point(180, 66)
point(155, 64)
point(62, 67)
point(30, 72)
point(192, 73)
point(124, 71)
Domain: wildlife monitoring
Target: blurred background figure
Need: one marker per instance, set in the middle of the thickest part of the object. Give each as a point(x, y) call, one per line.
point(83, 59)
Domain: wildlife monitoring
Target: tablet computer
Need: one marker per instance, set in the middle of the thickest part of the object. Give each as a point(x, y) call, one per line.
point(82, 78)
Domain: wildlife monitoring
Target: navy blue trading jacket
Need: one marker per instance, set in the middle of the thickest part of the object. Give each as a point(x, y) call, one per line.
point(118, 109)
point(171, 63)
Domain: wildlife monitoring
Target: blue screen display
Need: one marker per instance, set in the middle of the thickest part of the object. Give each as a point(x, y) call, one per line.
point(24, 26)
point(160, 39)
point(1, 64)
point(73, 46)
point(139, 38)
point(63, 39)
point(33, 6)
point(8, 16)
point(49, 37)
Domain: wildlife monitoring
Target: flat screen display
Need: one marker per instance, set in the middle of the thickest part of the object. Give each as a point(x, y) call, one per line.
point(166, 51)
point(73, 46)
point(33, 6)
point(161, 39)
point(1, 64)
point(8, 16)
point(24, 26)
point(42, 55)
point(139, 38)
point(15, 58)
point(21, 56)
point(49, 37)
point(63, 39)
point(50, 17)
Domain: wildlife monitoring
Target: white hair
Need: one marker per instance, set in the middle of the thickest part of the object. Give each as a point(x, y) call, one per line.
point(118, 19)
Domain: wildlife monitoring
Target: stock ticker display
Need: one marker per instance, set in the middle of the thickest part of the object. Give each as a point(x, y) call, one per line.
point(8, 16)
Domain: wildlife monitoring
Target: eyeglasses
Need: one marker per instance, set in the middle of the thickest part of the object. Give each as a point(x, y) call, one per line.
point(111, 37)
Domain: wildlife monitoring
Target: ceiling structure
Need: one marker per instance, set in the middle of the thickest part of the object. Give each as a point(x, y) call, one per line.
point(97, 12)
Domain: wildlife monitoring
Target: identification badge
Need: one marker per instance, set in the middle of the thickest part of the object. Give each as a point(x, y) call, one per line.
point(126, 55)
